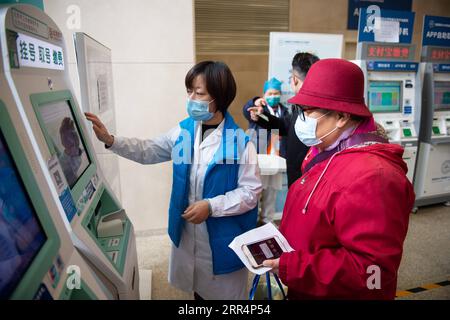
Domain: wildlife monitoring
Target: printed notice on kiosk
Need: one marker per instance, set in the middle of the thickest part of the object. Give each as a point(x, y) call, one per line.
point(36, 53)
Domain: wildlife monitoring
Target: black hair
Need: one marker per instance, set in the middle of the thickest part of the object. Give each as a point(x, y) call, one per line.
point(353, 117)
point(302, 62)
point(219, 81)
point(356, 118)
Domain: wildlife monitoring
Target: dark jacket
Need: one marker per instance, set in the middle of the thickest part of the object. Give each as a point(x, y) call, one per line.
point(295, 149)
point(256, 127)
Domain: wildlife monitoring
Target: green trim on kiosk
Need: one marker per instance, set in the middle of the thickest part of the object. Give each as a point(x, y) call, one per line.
point(37, 3)
point(39, 99)
point(43, 261)
point(90, 222)
point(102, 203)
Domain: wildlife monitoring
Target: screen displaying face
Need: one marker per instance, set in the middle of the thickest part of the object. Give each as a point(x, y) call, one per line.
point(442, 95)
point(66, 139)
point(21, 235)
point(384, 96)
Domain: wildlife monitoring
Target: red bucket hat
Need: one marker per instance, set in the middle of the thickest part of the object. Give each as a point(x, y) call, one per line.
point(334, 84)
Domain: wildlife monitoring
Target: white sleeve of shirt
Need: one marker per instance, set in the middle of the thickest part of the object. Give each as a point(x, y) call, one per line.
point(147, 151)
point(245, 197)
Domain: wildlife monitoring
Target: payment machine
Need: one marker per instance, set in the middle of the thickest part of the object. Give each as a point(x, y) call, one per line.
point(37, 79)
point(37, 257)
point(392, 88)
point(432, 179)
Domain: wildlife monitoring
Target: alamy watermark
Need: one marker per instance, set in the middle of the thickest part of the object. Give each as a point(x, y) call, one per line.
point(73, 281)
point(374, 280)
point(74, 17)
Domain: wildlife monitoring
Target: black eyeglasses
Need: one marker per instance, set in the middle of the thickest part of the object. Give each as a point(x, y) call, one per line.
point(293, 75)
point(299, 111)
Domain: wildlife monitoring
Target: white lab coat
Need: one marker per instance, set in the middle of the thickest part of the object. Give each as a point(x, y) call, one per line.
point(191, 263)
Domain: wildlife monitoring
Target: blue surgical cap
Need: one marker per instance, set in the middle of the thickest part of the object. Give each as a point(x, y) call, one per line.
point(273, 83)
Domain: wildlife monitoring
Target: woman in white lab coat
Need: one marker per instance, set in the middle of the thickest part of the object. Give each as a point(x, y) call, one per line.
point(216, 184)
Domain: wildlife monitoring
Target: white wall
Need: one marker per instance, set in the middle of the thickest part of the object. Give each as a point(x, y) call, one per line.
point(152, 43)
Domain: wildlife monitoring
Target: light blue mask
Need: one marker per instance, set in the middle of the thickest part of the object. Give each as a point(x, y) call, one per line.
point(273, 100)
point(306, 131)
point(198, 110)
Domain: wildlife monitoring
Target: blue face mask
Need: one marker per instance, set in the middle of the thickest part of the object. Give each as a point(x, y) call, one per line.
point(273, 100)
point(306, 131)
point(198, 110)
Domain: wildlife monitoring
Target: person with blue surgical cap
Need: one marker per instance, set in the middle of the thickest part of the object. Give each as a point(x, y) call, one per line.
point(271, 102)
point(295, 149)
point(268, 142)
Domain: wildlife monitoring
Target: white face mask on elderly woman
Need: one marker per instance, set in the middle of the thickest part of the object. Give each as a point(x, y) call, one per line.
point(306, 130)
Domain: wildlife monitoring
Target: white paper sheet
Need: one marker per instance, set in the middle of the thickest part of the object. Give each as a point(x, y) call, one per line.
point(271, 164)
point(386, 30)
point(255, 235)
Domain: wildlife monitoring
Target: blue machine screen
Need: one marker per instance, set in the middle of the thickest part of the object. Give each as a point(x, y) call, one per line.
point(21, 235)
point(442, 94)
point(384, 96)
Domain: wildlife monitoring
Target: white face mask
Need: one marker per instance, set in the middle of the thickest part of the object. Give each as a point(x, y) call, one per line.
point(306, 130)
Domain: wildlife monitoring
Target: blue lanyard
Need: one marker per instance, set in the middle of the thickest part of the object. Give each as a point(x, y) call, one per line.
point(269, 287)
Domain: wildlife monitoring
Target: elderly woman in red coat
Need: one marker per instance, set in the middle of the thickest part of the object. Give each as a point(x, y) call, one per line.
point(347, 216)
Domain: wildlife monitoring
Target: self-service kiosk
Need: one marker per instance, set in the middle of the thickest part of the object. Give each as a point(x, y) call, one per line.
point(37, 257)
point(432, 179)
point(393, 93)
point(35, 68)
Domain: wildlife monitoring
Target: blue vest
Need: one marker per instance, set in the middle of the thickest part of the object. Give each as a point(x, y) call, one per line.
point(221, 177)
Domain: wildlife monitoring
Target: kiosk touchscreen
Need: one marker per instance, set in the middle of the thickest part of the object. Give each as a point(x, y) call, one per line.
point(385, 96)
point(64, 136)
point(35, 67)
point(442, 95)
